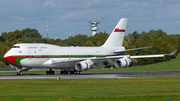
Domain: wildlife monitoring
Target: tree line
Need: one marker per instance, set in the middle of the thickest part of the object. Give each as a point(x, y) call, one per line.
point(160, 40)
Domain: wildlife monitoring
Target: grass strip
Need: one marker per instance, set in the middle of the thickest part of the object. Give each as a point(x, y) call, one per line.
point(135, 89)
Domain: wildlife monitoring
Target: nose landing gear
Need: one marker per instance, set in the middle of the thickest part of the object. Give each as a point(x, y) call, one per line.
point(19, 73)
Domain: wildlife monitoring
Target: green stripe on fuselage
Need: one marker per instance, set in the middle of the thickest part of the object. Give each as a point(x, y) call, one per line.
point(21, 58)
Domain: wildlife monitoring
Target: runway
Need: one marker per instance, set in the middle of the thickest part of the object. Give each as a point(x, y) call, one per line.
point(58, 76)
point(86, 75)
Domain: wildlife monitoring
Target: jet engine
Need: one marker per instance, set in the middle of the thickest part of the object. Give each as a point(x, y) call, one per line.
point(122, 63)
point(82, 66)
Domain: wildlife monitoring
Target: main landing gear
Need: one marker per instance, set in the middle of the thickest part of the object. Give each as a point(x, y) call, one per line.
point(50, 72)
point(70, 72)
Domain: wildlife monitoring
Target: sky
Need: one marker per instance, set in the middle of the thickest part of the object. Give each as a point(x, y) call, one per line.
point(72, 16)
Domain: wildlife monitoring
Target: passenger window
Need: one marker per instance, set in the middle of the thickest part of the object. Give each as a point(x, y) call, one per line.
point(43, 47)
point(32, 47)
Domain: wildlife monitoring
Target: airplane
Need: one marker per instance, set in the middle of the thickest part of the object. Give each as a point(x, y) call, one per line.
point(74, 60)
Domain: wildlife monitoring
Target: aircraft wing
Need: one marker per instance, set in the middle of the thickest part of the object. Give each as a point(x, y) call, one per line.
point(97, 62)
point(158, 55)
point(59, 61)
point(120, 51)
point(133, 57)
point(111, 59)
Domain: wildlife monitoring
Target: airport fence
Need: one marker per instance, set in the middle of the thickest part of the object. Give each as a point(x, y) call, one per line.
point(6, 69)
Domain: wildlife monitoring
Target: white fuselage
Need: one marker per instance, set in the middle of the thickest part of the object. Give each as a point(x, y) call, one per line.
point(37, 54)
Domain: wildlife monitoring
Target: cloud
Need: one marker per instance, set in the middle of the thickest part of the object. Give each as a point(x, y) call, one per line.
point(49, 3)
point(142, 15)
point(20, 18)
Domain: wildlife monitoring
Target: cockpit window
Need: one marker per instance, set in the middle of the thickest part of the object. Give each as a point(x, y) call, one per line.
point(15, 47)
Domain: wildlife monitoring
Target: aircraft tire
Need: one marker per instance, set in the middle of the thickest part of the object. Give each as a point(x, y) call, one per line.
point(52, 73)
point(71, 72)
point(19, 73)
point(63, 72)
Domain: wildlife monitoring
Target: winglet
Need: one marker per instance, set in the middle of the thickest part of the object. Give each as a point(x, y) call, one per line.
point(172, 52)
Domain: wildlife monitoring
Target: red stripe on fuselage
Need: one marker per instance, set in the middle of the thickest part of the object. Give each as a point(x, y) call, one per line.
point(12, 59)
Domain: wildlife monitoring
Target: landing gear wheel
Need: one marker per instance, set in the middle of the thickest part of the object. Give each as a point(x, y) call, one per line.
point(50, 72)
point(79, 72)
point(19, 73)
point(47, 72)
point(71, 72)
point(62, 72)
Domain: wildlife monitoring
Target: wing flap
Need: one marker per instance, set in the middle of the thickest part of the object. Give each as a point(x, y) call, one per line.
point(120, 51)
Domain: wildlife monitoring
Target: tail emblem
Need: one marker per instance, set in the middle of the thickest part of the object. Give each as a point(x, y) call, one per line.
point(119, 30)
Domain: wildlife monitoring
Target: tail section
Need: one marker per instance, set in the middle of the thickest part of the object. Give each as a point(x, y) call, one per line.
point(116, 37)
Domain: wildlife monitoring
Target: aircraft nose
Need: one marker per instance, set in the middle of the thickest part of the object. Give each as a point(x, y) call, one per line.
point(10, 59)
point(6, 57)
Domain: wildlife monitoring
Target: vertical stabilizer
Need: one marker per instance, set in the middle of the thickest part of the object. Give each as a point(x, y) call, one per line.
point(116, 37)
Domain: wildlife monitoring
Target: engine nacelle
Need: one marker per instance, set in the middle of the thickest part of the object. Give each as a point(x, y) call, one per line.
point(82, 66)
point(122, 63)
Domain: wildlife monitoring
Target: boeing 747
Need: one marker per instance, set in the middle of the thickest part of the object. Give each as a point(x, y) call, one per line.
point(70, 60)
